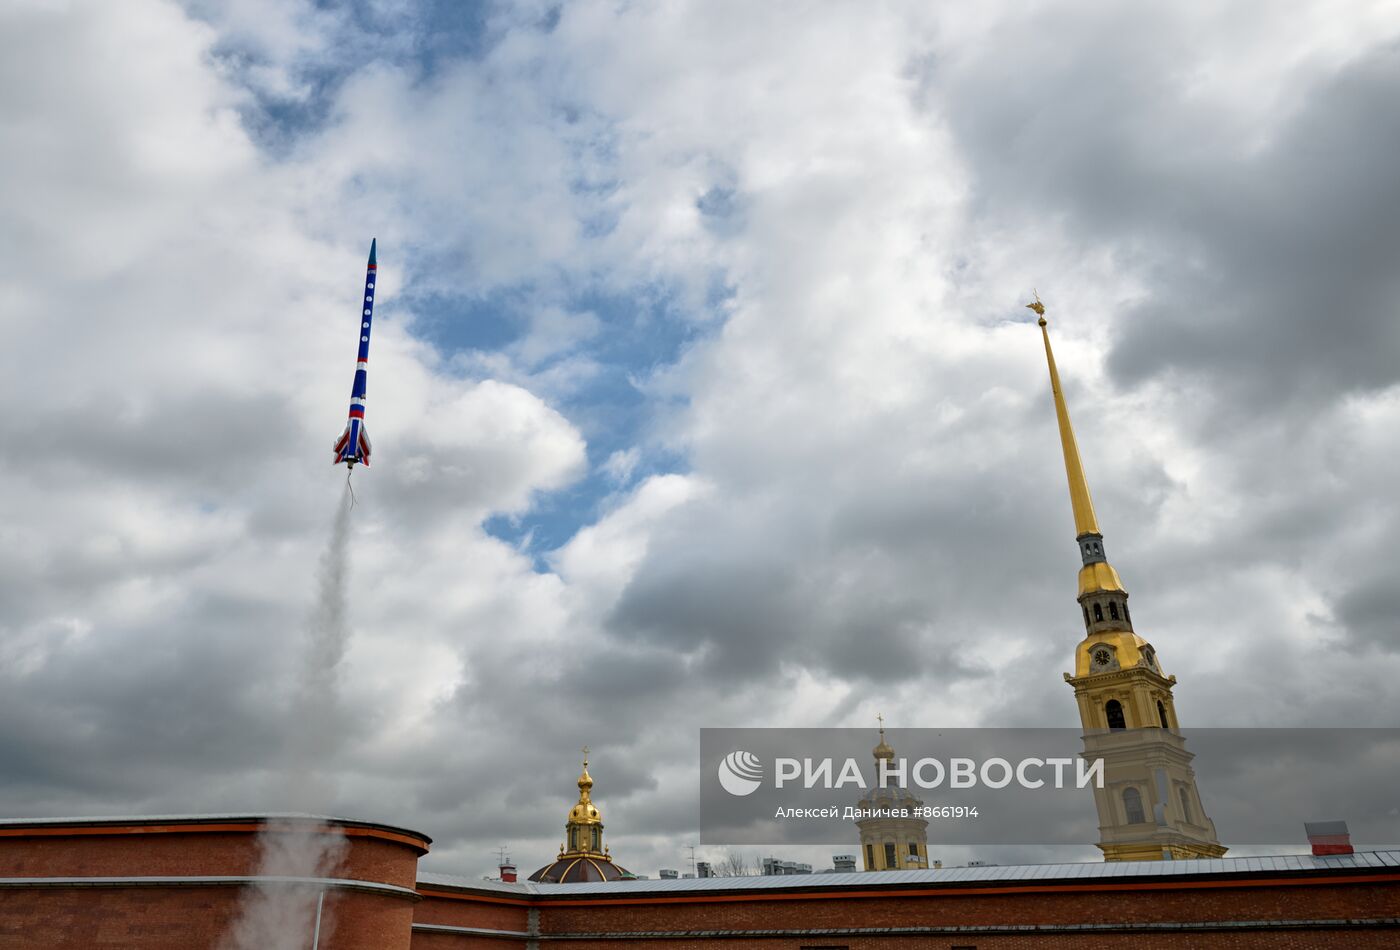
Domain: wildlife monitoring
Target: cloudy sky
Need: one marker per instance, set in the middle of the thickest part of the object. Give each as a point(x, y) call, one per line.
point(703, 392)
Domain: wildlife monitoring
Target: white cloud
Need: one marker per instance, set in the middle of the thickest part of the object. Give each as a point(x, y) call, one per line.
point(870, 513)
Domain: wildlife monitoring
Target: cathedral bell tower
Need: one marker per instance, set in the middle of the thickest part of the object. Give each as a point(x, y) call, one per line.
point(1149, 808)
point(890, 843)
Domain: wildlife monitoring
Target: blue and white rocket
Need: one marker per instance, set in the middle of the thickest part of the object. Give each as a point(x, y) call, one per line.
point(353, 444)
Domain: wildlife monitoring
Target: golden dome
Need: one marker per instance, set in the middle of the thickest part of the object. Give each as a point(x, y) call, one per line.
point(585, 812)
point(582, 856)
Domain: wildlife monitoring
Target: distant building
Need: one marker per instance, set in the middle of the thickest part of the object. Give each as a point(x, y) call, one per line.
point(779, 866)
point(891, 844)
point(703, 869)
point(582, 857)
point(843, 862)
point(668, 874)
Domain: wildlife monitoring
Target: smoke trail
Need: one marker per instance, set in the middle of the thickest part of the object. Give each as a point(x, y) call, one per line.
point(312, 731)
point(280, 916)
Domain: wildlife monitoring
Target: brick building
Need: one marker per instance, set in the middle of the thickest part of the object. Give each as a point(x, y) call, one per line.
point(177, 883)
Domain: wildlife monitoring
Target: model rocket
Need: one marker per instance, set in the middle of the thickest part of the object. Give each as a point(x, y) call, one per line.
point(353, 444)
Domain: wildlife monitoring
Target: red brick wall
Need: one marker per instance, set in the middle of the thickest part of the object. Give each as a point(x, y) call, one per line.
point(176, 918)
point(1285, 940)
point(468, 912)
point(129, 855)
point(953, 908)
point(186, 854)
point(430, 941)
point(948, 908)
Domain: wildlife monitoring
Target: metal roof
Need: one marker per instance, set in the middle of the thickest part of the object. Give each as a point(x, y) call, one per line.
point(992, 874)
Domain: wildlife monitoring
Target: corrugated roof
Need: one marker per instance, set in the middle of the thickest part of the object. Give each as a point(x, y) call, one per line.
point(1107, 870)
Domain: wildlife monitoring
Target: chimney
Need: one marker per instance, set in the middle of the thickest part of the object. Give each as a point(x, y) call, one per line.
point(1328, 837)
point(508, 873)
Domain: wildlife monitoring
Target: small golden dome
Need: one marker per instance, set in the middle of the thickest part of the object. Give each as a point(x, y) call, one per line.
point(582, 856)
point(584, 813)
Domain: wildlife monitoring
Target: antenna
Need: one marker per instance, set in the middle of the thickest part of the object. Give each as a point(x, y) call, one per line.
point(691, 848)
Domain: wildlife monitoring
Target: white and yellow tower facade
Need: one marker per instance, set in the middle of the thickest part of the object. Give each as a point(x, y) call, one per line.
point(891, 843)
point(1149, 808)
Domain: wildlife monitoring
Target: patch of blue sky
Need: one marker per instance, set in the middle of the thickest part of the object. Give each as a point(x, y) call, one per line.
point(555, 517)
point(637, 333)
point(456, 323)
point(426, 36)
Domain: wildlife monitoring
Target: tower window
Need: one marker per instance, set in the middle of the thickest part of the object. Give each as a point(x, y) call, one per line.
point(1086, 616)
point(1098, 612)
point(870, 857)
point(1132, 806)
point(1162, 714)
point(913, 849)
point(1113, 610)
point(891, 858)
point(1185, 805)
point(1113, 710)
point(1126, 614)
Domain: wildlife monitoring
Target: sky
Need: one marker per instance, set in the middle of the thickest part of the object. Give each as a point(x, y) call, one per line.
point(702, 393)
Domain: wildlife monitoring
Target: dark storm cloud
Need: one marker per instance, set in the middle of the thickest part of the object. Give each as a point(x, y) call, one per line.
point(207, 438)
point(1298, 298)
point(1370, 613)
point(92, 719)
point(1269, 264)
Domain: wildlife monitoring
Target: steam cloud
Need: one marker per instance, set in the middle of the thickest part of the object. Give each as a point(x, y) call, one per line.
point(279, 915)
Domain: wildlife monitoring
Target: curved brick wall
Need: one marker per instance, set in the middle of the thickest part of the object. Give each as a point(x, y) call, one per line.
point(179, 883)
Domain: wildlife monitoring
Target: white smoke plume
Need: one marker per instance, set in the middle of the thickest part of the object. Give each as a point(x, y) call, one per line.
point(281, 915)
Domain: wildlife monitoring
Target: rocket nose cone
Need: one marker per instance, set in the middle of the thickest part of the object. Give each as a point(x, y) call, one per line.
point(372, 244)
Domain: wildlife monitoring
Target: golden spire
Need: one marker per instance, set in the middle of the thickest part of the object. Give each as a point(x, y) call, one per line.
point(883, 750)
point(583, 829)
point(1085, 521)
point(1097, 574)
point(585, 781)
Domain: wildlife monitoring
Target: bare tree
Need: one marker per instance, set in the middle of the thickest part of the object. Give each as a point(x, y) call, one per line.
point(736, 864)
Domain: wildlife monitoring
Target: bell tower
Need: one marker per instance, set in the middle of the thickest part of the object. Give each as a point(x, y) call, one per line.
point(889, 843)
point(1149, 808)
